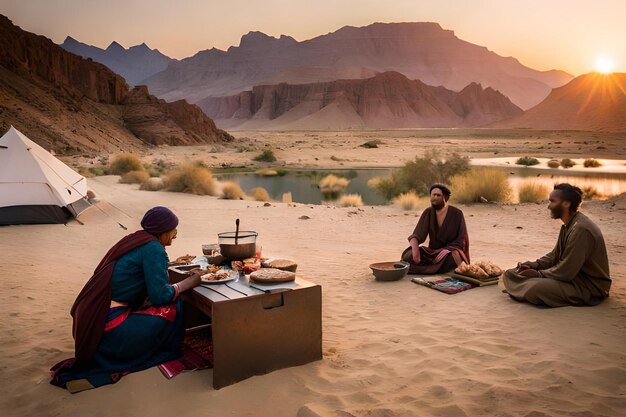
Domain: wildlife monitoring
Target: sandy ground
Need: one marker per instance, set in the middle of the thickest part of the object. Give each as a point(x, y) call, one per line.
point(390, 349)
point(342, 149)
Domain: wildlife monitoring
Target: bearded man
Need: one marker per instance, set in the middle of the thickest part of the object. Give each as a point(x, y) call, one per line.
point(576, 272)
point(448, 242)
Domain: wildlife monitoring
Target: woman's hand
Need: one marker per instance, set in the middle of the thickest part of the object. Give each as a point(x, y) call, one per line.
point(530, 273)
point(523, 266)
point(190, 282)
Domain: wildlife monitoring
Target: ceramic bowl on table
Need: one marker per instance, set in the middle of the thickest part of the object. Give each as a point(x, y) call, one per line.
point(390, 271)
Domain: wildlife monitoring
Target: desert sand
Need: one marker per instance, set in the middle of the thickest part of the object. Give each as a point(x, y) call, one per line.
point(390, 349)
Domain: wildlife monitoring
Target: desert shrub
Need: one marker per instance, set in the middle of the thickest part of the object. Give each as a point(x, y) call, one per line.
point(190, 178)
point(232, 191)
point(134, 177)
point(590, 192)
point(260, 194)
point(527, 161)
point(351, 200)
point(265, 156)
point(408, 201)
point(371, 144)
point(287, 198)
point(124, 163)
point(418, 175)
point(153, 184)
point(567, 163)
point(271, 172)
point(592, 163)
point(98, 171)
point(490, 184)
point(331, 185)
point(156, 169)
point(385, 186)
point(532, 192)
point(553, 163)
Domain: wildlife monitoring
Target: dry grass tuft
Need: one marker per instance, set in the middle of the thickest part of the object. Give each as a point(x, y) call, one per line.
point(490, 184)
point(124, 163)
point(134, 177)
point(409, 201)
point(351, 200)
point(333, 184)
point(191, 178)
point(260, 194)
point(553, 163)
point(153, 184)
point(592, 163)
point(533, 192)
point(232, 191)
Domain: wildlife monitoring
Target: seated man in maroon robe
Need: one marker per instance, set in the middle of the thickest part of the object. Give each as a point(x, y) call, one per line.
point(448, 243)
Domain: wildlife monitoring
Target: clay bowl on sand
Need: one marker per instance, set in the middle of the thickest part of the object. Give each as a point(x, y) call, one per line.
point(390, 271)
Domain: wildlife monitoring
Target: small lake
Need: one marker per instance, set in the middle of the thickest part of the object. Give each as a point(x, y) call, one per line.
point(302, 184)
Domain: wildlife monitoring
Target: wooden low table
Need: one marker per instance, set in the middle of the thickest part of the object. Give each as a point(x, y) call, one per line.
point(254, 331)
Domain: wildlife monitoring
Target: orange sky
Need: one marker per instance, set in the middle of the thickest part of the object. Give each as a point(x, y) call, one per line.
point(543, 34)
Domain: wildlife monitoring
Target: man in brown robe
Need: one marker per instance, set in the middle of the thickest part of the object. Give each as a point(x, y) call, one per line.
point(576, 272)
point(448, 243)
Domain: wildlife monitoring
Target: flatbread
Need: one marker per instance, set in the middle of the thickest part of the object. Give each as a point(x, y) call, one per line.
point(284, 264)
point(265, 275)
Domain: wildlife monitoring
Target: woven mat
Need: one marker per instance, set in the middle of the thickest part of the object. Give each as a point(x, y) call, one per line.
point(197, 354)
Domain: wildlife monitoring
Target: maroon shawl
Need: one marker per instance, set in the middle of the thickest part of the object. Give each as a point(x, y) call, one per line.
point(92, 305)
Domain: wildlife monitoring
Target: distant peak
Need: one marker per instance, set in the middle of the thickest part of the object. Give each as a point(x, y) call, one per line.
point(115, 46)
point(69, 39)
point(143, 46)
point(255, 38)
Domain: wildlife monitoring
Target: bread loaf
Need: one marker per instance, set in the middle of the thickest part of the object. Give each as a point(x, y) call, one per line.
point(272, 275)
point(284, 264)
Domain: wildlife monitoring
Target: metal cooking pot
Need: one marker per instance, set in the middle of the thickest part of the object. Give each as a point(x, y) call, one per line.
point(237, 246)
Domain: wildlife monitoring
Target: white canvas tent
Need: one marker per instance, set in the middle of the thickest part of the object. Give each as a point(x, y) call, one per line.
point(36, 187)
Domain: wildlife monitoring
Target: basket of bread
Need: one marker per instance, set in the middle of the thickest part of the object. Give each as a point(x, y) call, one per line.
point(480, 273)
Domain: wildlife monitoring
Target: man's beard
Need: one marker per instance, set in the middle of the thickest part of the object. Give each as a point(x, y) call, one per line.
point(557, 212)
point(438, 206)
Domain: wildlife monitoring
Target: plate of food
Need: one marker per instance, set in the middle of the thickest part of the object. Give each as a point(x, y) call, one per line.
point(218, 276)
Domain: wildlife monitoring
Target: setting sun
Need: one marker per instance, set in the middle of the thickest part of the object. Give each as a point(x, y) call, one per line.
point(604, 65)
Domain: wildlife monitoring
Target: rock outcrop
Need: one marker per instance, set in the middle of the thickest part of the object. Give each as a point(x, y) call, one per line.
point(589, 102)
point(387, 100)
point(71, 104)
point(421, 51)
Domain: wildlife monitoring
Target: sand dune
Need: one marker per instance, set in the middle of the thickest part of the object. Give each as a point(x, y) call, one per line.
point(390, 349)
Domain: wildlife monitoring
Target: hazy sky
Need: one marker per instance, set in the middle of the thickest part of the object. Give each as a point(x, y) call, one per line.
point(571, 35)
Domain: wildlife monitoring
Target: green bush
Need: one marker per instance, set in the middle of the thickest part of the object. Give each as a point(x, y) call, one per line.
point(567, 163)
point(265, 156)
point(527, 161)
point(371, 144)
point(592, 163)
point(124, 163)
point(488, 183)
point(418, 175)
point(98, 171)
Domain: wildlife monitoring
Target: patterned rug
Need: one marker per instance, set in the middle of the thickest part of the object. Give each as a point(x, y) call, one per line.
point(197, 354)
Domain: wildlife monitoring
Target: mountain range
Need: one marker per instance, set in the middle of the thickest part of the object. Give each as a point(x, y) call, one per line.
point(387, 100)
point(135, 64)
point(70, 104)
point(422, 51)
point(589, 102)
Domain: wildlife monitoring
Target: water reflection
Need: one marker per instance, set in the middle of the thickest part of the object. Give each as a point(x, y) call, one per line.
point(304, 189)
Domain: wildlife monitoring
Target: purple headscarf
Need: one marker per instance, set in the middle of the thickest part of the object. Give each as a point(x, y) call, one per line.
point(159, 220)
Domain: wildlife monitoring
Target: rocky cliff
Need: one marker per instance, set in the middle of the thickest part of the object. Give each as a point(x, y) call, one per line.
point(387, 100)
point(421, 51)
point(71, 104)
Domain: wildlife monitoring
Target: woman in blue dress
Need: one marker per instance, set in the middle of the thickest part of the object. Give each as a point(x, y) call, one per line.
point(127, 317)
